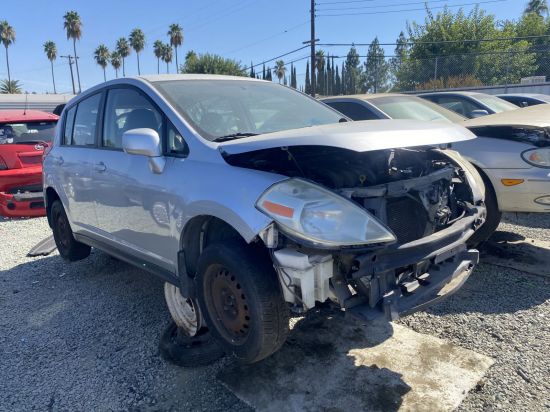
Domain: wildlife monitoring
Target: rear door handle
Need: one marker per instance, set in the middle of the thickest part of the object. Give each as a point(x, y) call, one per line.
point(100, 167)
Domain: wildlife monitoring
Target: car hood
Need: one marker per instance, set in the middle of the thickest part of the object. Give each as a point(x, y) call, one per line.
point(359, 136)
point(538, 116)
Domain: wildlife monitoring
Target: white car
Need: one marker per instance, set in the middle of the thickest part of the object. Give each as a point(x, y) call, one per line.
point(512, 151)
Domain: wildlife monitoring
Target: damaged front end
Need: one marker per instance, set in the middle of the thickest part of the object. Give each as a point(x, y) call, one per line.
point(378, 232)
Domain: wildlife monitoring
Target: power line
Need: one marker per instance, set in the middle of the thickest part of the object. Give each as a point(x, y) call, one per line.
point(384, 5)
point(411, 43)
point(405, 10)
point(275, 58)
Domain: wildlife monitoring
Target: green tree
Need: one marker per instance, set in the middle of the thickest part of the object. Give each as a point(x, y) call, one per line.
point(123, 49)
point(101, 57)
point(354, 72)
point(176, 39)
point(337, 83)
point(73, 28)
point(7, 36)
point(157, 49)
point(137, 41)
point(376, 69)
point(116, 62)
point(307, 84)
point(212, 64)
point(320, 76)
point(252, 72)
point(51, 53)
point(279, 70)
point(10, 87)
point(167, 56)
point(539, 7)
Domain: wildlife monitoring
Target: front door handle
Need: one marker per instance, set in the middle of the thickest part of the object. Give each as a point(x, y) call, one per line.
point(100, 167)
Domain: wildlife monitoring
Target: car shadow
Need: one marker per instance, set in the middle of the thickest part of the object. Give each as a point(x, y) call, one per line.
point(320, 342)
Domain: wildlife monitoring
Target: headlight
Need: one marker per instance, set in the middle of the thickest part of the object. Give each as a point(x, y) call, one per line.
point(317, 215)
point(537, 157)
point(475, 181)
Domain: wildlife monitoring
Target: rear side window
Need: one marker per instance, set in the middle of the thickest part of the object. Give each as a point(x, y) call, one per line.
point(85, 121)
point(69, 124)
point(354, 111)
point(127, 109)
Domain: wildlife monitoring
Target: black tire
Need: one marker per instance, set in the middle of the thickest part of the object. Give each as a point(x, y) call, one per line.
point(494, 215)
point(68, 247)
point(241, 300)
point(178, 348)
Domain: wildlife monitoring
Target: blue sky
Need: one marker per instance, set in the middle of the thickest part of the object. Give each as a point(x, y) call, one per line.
point(246, 30)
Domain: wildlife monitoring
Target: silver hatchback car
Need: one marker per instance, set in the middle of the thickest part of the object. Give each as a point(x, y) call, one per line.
point(248, 198)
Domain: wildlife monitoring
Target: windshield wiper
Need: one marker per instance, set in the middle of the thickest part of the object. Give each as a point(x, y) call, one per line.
point(233, 136)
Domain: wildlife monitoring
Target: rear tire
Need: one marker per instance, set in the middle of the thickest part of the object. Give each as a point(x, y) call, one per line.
point(69, 248)
point(494, 215)
point(241, 300)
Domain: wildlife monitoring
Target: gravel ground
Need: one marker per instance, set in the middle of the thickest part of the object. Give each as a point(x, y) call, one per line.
point(84, 336)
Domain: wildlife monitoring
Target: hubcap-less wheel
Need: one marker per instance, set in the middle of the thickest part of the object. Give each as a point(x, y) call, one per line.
point(185, 312)
point(63, 230)
point(227, 298)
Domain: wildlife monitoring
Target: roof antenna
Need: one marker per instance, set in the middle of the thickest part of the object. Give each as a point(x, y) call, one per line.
point(26, 102)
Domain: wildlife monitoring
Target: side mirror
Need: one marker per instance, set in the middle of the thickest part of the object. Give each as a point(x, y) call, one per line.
point(478, 113)
point(145, 142)
point(523, 104)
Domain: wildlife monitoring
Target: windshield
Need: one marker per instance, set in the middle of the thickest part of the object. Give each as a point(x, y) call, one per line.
point(218, 108)
point(414, 108)
point(496, 104)
point(29, 132)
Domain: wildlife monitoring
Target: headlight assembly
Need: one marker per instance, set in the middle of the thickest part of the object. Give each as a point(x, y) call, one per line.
point(537, 157)
point(309, 212)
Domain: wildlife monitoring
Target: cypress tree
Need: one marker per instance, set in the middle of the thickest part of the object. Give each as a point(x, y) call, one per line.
point(263, 72)
point(337, 83)
point(307, 88)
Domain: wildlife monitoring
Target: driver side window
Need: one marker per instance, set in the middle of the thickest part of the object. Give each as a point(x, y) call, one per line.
point(127, 109)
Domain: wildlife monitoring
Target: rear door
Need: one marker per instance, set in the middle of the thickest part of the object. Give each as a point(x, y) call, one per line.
point(73, 163)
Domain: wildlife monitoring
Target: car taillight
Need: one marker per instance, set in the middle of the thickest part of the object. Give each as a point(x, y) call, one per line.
point(3, 165)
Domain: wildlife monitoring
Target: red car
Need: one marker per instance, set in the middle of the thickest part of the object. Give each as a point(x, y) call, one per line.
point(24, 134)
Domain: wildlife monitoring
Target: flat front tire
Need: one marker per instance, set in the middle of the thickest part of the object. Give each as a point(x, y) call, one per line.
point(69, 248)
point(241, 300)
point(494, 215)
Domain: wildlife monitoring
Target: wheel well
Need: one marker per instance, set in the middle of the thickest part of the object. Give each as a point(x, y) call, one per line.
point(201, 231)
point(487, 181)
point(51, 196)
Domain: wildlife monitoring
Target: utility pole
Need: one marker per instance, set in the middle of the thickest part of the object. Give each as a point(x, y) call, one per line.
point(311, 42)
point(70, 58)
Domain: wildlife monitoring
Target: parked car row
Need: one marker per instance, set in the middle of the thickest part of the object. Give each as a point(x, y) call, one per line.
point(249, 199)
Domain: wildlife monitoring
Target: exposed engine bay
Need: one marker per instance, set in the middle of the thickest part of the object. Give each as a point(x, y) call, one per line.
point(421, 194)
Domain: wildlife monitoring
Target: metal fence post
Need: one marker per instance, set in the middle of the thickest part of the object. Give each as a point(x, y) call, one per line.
point(508, 60)
point(435, 71)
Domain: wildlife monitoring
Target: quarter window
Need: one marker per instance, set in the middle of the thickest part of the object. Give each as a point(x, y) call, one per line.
point(354, 111)
point(176, 145)
point(85, 121)
point(69, 123)
point(127, 109)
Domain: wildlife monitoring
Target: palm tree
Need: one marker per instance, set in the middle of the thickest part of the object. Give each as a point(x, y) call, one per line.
point(116, 62)
point(101, 57)
point(157, 48)
point(537, 6)
point(10, 86)
point(176, 39)
point(167, 56)
point(73, 27)
point(51, 53)
point(137, 41)
point(123, 49)
point(279, 70)
point(7, 36)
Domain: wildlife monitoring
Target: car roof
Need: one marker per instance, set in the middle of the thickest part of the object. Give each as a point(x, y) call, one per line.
point(172, 77)
point(459, 92)
point(16, 115)
point(538, 115)
point(534, 95)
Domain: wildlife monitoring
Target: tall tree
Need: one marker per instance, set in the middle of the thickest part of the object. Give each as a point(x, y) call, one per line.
point(539, 7)
point(73, 28)
point(51, 53)
point(157, 49)
point(320, 64)
point(376, 69)
point(252, 72)
point(10, 87)
point(279, 70)
point(354, 72)
point(116, 62)
point(167, 56)
point(176, 39)
point(137, 41)
point(263, 71)
point(7, 36)
point(337, 83)
point(307, 83)
point(123, 49)
point(101, 57)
